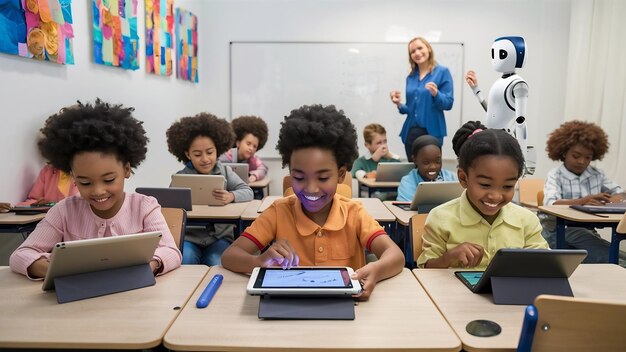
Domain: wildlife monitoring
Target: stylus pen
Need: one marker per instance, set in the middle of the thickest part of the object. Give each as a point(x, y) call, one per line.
point(209, 291)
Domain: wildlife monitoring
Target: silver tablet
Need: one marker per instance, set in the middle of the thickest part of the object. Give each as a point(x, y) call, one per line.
point(241, 169)
point(303, 281)
point(202, 187)
point(392, 172)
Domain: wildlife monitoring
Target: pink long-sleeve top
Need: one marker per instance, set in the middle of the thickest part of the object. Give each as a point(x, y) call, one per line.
point(256, 166)
point(72, 219)
point(51, 184)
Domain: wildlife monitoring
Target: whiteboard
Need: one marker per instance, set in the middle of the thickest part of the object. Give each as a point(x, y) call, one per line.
point(269, 79)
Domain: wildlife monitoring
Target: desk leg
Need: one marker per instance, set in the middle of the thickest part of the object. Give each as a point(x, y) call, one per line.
point(408, 246)
point(614, 248)
point(560, 233)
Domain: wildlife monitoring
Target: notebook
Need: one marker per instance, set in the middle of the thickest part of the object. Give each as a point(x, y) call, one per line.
point(98, 254)
point(241, 169)
point(392, 172)
point(609, 208)
point(202, 187)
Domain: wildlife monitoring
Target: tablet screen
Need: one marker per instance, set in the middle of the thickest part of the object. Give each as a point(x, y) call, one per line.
point(469, 278)
point(303, 278)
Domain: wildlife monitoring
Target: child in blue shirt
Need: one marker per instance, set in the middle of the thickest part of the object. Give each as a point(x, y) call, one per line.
point(427, 159)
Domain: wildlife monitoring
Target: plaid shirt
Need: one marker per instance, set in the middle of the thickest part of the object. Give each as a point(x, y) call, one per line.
point(563, 184)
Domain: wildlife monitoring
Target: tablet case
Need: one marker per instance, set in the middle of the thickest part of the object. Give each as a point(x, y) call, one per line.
point(306, 308)
point(99, 283)
point(618, 208)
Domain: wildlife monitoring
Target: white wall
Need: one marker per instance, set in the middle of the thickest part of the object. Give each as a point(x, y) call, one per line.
point(39, 89)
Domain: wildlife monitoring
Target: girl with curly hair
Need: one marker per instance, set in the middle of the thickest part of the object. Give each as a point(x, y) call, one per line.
point(251, 132)
point(197, 141)
point(576, 144)
point(98, 145)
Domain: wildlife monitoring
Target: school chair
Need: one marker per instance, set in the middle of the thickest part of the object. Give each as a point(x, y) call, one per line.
point(540, 197)
point(557, 323)
point(176, 219)
point(528, 191)
point(344, 188)
point(417, 231)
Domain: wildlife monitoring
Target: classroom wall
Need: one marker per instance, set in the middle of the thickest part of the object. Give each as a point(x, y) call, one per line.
point(38, 89)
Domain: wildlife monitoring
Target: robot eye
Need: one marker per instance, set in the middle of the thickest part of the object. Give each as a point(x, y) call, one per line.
point(503, 54)
point(492, 53)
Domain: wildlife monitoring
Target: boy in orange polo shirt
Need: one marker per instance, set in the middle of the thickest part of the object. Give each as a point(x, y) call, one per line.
point(315, 226)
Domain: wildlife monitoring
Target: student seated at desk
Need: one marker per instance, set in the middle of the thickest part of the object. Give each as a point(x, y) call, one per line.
point(427, 160)
point(575, 181)
point(251, 136)
point(316, 226)
point(197, 142)
point(51, 186)
point(468, 231)
point(98, 144)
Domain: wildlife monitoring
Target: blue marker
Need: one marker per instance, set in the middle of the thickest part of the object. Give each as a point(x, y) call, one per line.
point(209, 291)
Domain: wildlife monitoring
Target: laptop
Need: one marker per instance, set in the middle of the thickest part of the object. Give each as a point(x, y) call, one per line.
point(201, 186)
point(241, 169)
point(98, 254)
point(172, 197)
point(392, 172)
point(517, 275)
point(608, 208)
point(431, 194)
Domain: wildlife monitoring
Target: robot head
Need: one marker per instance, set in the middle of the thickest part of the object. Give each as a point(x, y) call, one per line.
point(508, 53)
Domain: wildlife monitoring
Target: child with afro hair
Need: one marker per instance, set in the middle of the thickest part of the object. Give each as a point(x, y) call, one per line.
point(317, 226)
point(98, 145)
point(251, 136)
point(197, 142)
point(576, 144)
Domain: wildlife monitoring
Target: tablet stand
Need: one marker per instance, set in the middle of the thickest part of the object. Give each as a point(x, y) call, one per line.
point(99, 283)
point(524, 290)
point(306, 308)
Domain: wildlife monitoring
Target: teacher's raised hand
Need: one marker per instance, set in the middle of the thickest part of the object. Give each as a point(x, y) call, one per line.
point(396, 97)
point(432, 88)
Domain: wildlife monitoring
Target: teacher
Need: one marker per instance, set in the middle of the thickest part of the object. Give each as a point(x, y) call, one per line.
point(429, 92)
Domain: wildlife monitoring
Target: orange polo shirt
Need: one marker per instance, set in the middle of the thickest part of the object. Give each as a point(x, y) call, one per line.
point(340, 242)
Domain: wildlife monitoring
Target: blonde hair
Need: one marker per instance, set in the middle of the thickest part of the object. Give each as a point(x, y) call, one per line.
point(369, 130)
point(431, 55)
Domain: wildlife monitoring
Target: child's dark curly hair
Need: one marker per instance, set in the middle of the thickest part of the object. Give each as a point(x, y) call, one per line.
point(572, 133)
point(101, 127)
point(181, 134)
point(251, 124)
point(322, 127)
point(474, 140)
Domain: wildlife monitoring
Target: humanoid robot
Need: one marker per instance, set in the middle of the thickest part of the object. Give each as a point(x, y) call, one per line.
point(506, 107)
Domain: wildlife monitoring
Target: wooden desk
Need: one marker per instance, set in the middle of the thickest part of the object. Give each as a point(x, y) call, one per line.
point(10, 222)
point(399, 315)
point(261, 185)
point(403, 222)
point(568, 216)
point(202, 215)
point(137, 319)
point(460, 306)
point(250, 213)
point(371, 185)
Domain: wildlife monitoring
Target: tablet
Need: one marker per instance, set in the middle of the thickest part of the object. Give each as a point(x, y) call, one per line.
point(524, 263)
point(172, 197)
point(241, 169)
point(609, 208)
point(314, 281)
point(30, 209)
point(96, 254)
point(392, 172)
point(431, 194)
point(202, 187)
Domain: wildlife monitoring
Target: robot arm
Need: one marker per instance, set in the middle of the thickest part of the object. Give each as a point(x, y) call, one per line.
point(520, 93)
point(480, 97)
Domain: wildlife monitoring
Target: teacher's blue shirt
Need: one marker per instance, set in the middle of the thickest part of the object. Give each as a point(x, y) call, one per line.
point(421, 108)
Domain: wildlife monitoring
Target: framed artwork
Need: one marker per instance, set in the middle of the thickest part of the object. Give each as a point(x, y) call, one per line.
point(41, 30)
point(186, 45)
point(159, 36)
point(115, 39)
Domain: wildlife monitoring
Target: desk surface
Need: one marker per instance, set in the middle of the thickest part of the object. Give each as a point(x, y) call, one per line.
point(13, 219)
point(32, 318)
point(261, 183)
point(403, 216)
point(252, 210)
point(370, 182)
point(228, 211)
point(460, 306)
point(567, 213)
point(399, 315)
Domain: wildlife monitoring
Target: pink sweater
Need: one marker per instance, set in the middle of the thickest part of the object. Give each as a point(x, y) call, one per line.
point(47, 186)
point(256, 166)
point(72, 219)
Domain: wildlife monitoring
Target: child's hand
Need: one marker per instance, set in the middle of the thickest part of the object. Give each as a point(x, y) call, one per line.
point(596, 199)
point(467, 255)
point(39, 268)
point(281, 253)
point(251, 178)
point(380, 152)
point(371, 174)
point(223, 195)
point(43, 202)
point(367, 277)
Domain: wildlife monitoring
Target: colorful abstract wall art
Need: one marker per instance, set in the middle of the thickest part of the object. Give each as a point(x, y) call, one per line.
point(159, 36)
point(115, 39)
point(186, 45)
point(38, 29)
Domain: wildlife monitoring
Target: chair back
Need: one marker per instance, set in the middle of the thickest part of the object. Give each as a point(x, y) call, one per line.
point(344, 188)
point(573, 324)
point(540, 197)
point(176, 220)
point(528, 190)
point(417, 231)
